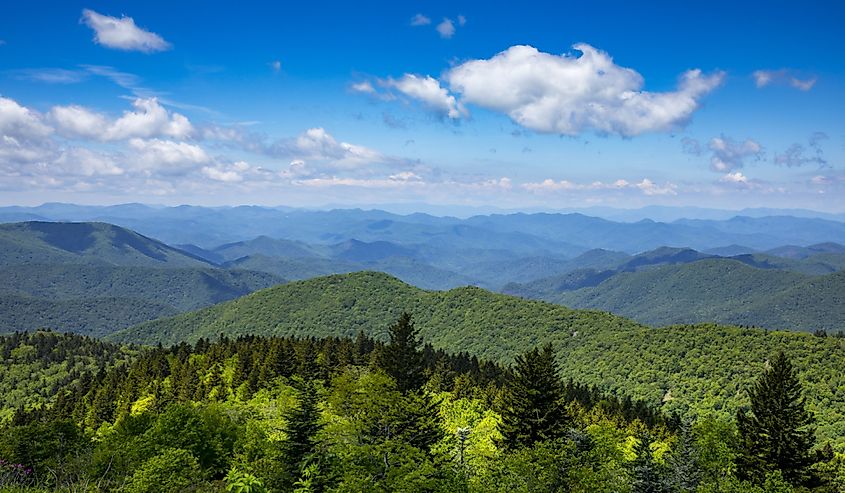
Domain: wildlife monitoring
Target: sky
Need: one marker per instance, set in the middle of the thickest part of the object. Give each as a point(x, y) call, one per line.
point(513, 105)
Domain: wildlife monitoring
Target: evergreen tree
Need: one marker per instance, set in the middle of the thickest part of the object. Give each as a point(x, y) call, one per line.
point(402, 358)
point(533, 409)
point(646, 475)
point(303, 423)
point(684, 471)
point(777, 434)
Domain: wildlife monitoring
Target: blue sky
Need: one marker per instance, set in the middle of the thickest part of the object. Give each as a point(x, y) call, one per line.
point(723, 104)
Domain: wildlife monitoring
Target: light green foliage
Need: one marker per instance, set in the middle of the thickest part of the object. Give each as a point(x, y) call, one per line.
point(241, 482)
point(171, 471)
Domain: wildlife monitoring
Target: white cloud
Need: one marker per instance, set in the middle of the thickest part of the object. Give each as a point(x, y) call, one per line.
point(420, 20)
point(78, 121)
point(568, 95)
point(85, 162)
point(122, 34)
point(224, 175)
point(735, 177)
point(728, 155)
point(802, 85)
point(276, 65)
point(646, 186)
point(317, 144)
point(462, 21)
point(167, 156)
point(19, 122)
point(763, 78)
point(428, 90)
point(365, 87)
point(150, 119)
point(796, 154)
point(446, 28)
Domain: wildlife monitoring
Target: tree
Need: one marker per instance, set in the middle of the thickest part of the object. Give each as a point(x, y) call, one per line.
point(402, 358)
point(683, 463)
point(533, 409)
point(303, 424)
point(171, 471)
point(646, 475)
point(777, 434)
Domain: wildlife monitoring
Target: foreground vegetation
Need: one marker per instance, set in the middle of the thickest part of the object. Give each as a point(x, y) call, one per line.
point(306, 415)
point(688, 370)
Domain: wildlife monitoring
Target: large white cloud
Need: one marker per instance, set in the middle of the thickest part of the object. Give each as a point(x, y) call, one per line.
point(149, 119)
point(19, 122)
point(122, 33)
point(568, 95)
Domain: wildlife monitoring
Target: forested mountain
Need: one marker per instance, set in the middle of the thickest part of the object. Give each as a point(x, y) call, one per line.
point(99, 299)
point(688, 369)
point(714, 290)
point(86, 243)
point(95, 278)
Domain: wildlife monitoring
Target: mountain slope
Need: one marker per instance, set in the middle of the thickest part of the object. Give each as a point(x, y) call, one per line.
point(703, 367)
point(86, 243)
point(719, 290)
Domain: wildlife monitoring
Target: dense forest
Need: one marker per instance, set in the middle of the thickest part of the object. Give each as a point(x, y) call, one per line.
point(688, 369)
point(256, 414)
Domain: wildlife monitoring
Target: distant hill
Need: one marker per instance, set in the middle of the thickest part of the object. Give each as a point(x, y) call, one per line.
point(93, 316)
point(87, 243)
point(719, 290)
point(265, 246)
point(703, 367)
point(95, 278)
point(799, 252)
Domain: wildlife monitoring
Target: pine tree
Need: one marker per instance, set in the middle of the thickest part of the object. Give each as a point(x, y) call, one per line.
point(777, 434)
point(303, 423)
point(533, 409)
point(402, 358)
point(684, 471)
point(646, 475)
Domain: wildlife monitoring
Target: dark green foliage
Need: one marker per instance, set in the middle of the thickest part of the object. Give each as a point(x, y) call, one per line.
point(533, 410)
point(776, 432)
point(683, 465)
point(98, 299)
point(401, 357)
point(646, 474)
point(303, 424)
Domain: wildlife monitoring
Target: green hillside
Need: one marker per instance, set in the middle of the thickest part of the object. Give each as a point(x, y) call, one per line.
point(86, 316)
point(689, 369)
point(86, 243)
point(184, 288)
point(722, 291)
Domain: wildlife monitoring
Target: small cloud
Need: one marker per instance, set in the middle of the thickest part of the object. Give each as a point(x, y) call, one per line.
point(365, 87)
point(446, 28)
point(462, 21)
point(797, 155)
point(122, 33)
point(763, 78)
point(728, 155)
point(51, 75)
point(802, 85)
point(392, 122)
point(428, 91)
point(420, 20)
point(276, 65)
point(735, 177)
point(691, 146)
